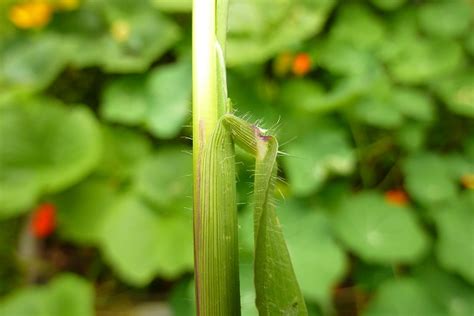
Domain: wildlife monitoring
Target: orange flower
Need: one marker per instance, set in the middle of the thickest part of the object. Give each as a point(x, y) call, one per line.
point(283, 63)
point(467, 181)
point(43, 220)
point(67, 4)
point(301, 64)
point(31, 14)
point(397, 197)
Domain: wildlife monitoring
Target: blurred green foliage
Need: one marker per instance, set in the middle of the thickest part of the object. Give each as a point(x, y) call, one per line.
point(378, 136)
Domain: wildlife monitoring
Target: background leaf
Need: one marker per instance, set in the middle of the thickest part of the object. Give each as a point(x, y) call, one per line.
point(319, 261)
point(169, 189)
point(379, 232)
point(132, 254)
point(160, 101)
point(428, 178)
point(313, 158)
point(445, 18)
point(455, 224)
point(455, 295)
point(44, 147)
point(66, 294)
point(169, 90)
point(404, 297)
point(281, 26)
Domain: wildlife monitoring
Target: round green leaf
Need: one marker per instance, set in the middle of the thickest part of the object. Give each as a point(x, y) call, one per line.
point(81, 210)
point(357, 25)
point(128, 240)
point(411, 136)
point(183, 299)
point(70, 295)
point(124, 100)
point(115, 35)
point(255, 99)
point(388, 4)
point(455, 225)
point(456, 296)
point(368, 277)
point(403, 297)
point(341, 57)
point(160, 101)
point(150, 34)
point(44, 147)
point(174, 245)
point(459, 165)
point(448, 18)
point(25, 302)
point(419, 60)
point(258, 30)
point(469, 43)
point(173, 5)
point(315, 156)
point(165, 179)
point(140, 244)
point(123, 150)
point(169, 99)
point(65, 295)
point(457, 91)
point(378, 112)
point(380, 232)
point(319, 263)
point(31, 63)
point(414, 104)
point(302, 94)
point(428, 178)
point(403, 33)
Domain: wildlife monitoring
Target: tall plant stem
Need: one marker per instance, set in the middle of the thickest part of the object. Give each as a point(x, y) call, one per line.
point(215, 213)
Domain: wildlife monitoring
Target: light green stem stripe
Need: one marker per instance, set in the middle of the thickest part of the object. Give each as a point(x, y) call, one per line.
point(215, 210)
point(216, 233)
point(204, 118)
point(205, 113)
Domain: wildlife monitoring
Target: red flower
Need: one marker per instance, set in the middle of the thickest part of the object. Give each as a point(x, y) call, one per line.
point(43, 220)
point(397, 197)
point(301, 64)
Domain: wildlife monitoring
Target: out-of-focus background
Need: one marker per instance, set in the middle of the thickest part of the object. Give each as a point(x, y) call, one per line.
point(373, 104)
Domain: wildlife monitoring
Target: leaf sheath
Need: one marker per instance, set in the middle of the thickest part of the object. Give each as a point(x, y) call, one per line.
point(277, 289)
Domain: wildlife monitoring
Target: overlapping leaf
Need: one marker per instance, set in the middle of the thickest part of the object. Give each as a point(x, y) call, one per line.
point(456, 296)
point(154, 244)
point(403, 297)
point(318, 261)
point(315, 156)
point(160, 101)
point(379, 232)
point(449, 18)
point(258, 29)
point(455, 224)
point(457, 92)
point(65, 295)
point(26, 63)
point(44, 147)
point(169, 189)
point(83, 208)
point(429, 179)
